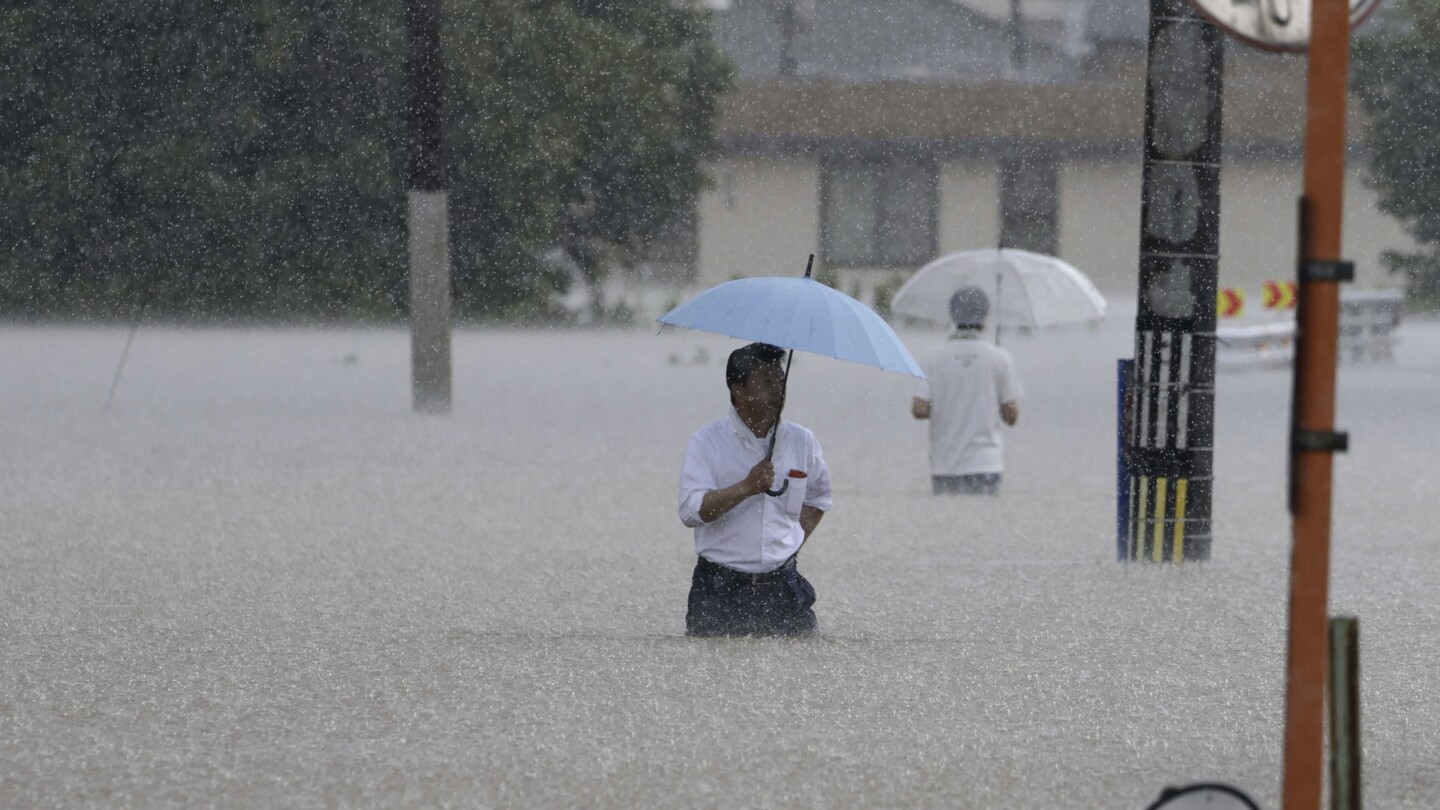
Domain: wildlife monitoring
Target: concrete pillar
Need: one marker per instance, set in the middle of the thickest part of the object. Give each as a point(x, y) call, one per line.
point(429, 301)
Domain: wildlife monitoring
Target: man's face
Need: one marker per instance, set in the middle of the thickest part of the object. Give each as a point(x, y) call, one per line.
point(762, 391)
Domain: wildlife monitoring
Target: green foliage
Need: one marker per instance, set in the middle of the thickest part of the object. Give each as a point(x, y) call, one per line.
point(621, 313)
point(243, 158)
point(159, 151)
point(1396, 74)
point(613, 136)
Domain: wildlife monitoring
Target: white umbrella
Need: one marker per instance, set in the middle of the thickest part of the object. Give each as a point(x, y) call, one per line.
point(1026, 289)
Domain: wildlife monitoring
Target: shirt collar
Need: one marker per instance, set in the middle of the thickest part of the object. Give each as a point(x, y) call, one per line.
point(965, 333)
point(743, 431)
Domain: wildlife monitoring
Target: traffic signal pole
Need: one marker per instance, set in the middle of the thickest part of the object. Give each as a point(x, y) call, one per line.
point(1313, 438)
point(1169, 414)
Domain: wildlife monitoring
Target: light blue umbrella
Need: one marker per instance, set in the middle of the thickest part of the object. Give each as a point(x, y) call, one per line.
point(796, 314)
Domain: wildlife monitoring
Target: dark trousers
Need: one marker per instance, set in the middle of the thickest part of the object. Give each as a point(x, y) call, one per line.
point(726, 602)
point(974, 484)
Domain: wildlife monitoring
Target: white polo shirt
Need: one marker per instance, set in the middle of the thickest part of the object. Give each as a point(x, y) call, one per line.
point(761, 532)
point(966, 382)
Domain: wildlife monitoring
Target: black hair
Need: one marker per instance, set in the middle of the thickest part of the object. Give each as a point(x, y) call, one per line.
point(749, 357)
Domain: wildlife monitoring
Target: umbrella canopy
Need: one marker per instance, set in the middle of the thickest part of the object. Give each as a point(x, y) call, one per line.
point(800, 314)
point(1025, 289)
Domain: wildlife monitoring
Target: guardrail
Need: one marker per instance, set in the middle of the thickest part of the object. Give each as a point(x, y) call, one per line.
point(1263, 345)
point(1368, 321)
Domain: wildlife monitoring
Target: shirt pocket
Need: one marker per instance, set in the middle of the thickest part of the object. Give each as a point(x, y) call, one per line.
point(794, 497)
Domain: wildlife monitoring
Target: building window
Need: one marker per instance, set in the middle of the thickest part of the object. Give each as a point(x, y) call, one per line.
point(878, 213)
point(1030, 204)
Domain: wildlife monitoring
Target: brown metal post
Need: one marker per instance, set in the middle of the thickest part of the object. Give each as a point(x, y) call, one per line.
point(1315, 356)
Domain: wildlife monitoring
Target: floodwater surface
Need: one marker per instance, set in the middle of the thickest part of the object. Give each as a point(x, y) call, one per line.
point(260, 580)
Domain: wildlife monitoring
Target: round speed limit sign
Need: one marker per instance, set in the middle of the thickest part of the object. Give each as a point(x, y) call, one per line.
point(1277, 25)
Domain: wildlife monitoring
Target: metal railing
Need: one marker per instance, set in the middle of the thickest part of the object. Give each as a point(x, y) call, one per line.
point(1368, 323)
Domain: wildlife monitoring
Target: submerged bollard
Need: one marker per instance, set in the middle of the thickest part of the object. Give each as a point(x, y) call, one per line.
point(1124, 369)
point(1344, 713)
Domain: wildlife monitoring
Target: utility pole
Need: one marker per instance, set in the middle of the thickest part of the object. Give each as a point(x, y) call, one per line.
point(427, 210)
point(1321, 27)
point(1313, 439)
point(1017, 36)
point(1170, 415)
point(789, 30)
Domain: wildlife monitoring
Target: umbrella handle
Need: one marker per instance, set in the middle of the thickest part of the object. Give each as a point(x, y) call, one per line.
point(775, 493)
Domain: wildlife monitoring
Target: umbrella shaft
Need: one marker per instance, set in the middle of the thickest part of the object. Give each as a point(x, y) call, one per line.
point(784, 389)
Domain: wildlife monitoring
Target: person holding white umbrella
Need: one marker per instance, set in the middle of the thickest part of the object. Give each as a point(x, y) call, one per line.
point(973, 391)
point(1025, 290)
point(970, 388)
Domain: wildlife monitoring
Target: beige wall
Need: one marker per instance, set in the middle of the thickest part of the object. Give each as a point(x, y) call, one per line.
point(1100, 221)
point(1258, 212)
point(1100, 224)
point(765, 212)
point(1257, 225)
point(762, 218)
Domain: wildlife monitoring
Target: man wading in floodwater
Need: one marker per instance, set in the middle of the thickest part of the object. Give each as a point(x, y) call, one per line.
point(970, 388)
point(748, 528)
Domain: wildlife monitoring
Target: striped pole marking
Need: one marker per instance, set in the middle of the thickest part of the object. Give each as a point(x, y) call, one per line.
point(1159, 518)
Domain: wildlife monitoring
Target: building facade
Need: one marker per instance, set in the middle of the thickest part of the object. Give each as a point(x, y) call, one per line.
point(879, 135)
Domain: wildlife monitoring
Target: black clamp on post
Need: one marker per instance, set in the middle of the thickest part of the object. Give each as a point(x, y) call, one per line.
point(1323, 270)
point(1319, 441)
point(1311, 441)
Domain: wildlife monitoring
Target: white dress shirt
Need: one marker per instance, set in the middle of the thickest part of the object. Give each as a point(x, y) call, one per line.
point(761, 532)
